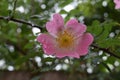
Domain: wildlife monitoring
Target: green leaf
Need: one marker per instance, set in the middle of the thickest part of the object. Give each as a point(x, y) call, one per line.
point(4, 7)
point(95, 28)
point(105, 32)
point(65, 2)
point(29, 45)
point(63, 11)
point(74, 12)
point(109, 43)
point(49, 59)
point(102, 36)
point(26, 58)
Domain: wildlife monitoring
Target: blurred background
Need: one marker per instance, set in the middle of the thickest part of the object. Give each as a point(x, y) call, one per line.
point(22, 58)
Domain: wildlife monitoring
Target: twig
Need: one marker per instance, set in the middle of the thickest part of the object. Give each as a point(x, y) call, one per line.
point(19, 21)
point(14, 7)
point(106, 50)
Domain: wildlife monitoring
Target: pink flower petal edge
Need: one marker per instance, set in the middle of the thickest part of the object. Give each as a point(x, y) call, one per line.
point(84, 43)
point(73, 25)
point(55, 25)
point(47, 42)
point(71, 54)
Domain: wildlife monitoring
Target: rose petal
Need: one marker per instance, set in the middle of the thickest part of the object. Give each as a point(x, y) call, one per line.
point(58, 20)
point(56, 25)
point(84, 43)
point(48, 43)
point(75, 27)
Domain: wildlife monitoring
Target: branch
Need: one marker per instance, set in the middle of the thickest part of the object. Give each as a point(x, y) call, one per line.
point(19, 21)
point(106, 50)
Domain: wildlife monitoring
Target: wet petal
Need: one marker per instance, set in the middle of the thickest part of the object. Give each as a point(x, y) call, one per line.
point(84, 43)
point(47, 42)
point(75, 27)
point(56, 25)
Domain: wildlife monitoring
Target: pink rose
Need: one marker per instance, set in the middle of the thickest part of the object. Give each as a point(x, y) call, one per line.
point(65, 40)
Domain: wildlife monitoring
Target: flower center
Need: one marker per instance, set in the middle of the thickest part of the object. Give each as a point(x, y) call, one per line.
point(65, 40)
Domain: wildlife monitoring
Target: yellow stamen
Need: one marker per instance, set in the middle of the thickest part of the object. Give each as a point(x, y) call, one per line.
point(65, 40)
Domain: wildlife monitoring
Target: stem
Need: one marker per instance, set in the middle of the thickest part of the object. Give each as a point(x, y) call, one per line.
point(19, 21)
point(14, 7)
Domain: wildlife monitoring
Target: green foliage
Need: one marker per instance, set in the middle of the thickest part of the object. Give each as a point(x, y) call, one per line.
point(4, 7)
point(18, 46)
point(63, 3)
